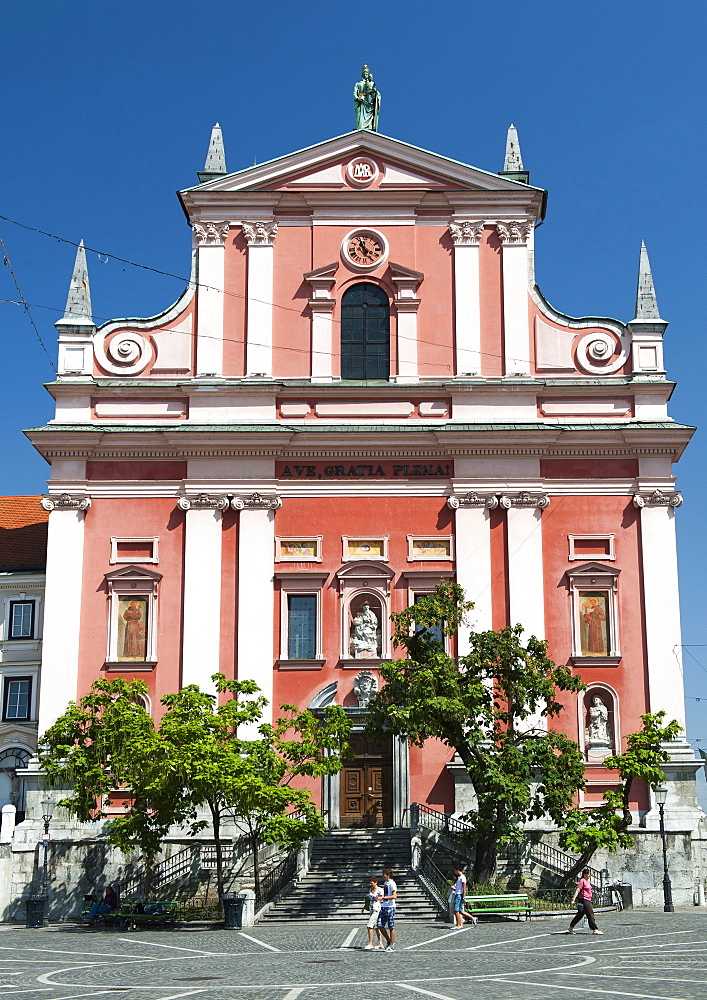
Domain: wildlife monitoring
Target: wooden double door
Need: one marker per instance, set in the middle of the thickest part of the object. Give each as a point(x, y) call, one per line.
point(366, 795)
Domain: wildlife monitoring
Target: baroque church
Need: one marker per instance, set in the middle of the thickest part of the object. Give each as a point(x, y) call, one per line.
point(362, 392)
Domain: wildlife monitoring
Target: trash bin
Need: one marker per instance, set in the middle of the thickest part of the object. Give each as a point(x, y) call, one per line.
point(35, 911)
point(232, 912)
point(625, 891)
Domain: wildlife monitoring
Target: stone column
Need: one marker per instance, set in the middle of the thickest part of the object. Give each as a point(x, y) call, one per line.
point(256, 599)
point(662, 603)
point(526, 588)
point(201, 622)
point(472, 539)
point(260, 236)
point(406, 282)
point(466, 235)
point(62, 608)
point(321, 306)
point(209, 239)
point(516, 332)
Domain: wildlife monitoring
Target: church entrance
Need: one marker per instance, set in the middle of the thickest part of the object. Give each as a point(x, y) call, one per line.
point(366, 795)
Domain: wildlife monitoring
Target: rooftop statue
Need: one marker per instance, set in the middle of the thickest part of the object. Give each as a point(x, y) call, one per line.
point(367, 101)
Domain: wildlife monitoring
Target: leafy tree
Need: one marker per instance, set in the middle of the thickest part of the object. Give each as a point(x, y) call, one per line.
point(491, 706)
point(194, 759)
point(587, 830)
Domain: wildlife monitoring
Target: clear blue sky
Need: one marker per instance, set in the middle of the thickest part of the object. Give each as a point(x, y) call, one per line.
point(107, 110)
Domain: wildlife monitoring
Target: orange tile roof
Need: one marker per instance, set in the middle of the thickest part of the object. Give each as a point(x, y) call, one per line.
point(23, 534)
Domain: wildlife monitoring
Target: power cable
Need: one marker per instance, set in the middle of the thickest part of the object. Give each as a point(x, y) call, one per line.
point(7, 262)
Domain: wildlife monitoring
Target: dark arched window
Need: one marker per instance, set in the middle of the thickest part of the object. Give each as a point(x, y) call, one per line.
point(365, 332)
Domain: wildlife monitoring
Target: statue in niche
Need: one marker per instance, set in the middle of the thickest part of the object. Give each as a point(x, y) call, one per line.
point(364, 633)
point(598, 735)
point(367, 102)
point(365, 686)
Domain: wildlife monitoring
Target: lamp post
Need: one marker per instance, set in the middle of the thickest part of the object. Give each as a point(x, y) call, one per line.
point(47, 806)
point(661, 795)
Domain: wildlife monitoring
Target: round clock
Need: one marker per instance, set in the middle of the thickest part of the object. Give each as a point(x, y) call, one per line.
point(364, 249)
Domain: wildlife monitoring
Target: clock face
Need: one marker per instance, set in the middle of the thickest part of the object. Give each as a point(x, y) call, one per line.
point(364, 248)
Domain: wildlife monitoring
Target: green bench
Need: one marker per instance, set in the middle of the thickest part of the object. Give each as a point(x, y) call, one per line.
point(511, 903)
point(165, 912)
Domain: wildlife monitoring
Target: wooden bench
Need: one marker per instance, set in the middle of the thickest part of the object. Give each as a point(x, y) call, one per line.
point(511, 903)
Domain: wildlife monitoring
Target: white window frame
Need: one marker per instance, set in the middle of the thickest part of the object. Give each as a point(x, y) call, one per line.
point(317, 539)
point(16, 671)
point(604, 537)
point(302, 585)
point(347, 540)
point(116, 558)
point(423, 583)
point(126, 584)
point(595, 576)
point(22, 597)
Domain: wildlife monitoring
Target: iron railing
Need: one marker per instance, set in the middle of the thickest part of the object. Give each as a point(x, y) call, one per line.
point(433, 880)
point(208, 856)
point(559, 861)
point(441, 822)
point(276, 879)
point(166, 871)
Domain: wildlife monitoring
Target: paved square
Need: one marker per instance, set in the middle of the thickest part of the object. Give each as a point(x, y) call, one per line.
point(643, 954)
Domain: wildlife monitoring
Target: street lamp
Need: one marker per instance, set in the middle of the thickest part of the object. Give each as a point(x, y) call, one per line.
point(661, 795)
point(47, 806)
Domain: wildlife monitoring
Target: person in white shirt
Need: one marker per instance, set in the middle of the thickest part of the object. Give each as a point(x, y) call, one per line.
point(373, 901)
point(459, 905)
point(386, 917)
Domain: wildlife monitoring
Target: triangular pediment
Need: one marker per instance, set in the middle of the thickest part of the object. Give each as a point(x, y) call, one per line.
point(324, 166)
point(132, 572)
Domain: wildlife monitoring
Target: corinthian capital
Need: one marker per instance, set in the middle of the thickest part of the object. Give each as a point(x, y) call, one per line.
point(65, 502)
point(514, 233)
point(466, 233)
point(489, 500)
point(657, 499)
point(203, 502)
point(210, 234)
point(260, 234)
point(256, 501)
point(524, 499)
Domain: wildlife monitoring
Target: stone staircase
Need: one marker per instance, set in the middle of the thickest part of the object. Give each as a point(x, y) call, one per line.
point(342, 861)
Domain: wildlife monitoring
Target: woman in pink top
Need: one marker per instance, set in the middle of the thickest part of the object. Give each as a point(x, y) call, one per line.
point(584, 906)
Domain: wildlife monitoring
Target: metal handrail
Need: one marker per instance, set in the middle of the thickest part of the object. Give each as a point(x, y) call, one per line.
point(436, 884)
point(276, 879)
point(442, 822)
point(562, 862)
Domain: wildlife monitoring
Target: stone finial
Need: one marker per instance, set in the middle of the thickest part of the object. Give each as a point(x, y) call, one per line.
point(215, 165)
point(78, 302)
point(513, 161)
point(646, 303)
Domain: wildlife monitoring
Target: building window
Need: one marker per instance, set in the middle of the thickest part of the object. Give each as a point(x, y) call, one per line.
point(301, 626)
point(434, 631)
point(301, 620)
point(593, 593)
point(17, 699)
point(365, 332)
point(21, 620)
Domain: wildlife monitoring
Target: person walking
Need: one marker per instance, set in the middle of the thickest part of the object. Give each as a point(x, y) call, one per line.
point(459, 905)
point(584, 892)
point(386, 917)
point(373, 902)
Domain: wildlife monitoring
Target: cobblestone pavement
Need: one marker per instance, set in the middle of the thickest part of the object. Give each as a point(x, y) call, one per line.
point(643, 954)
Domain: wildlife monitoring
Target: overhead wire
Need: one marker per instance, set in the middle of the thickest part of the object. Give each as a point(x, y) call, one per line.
point(23, 302)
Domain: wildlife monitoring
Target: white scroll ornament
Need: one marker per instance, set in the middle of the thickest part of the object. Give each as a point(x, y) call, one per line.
point(125, 353)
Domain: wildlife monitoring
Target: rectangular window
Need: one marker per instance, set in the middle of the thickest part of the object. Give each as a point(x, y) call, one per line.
point(301, 626)
point(591, 547)
point(21, 620)
point(435, 631)
point(17, 699)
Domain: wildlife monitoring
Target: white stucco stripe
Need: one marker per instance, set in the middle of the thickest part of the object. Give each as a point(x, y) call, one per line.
point(209, 349)
point(202, 613)
point(473, 549)
point(516, 334)
point(467, 310)
point(256, 554)
point(62, 615)
point(260, 310)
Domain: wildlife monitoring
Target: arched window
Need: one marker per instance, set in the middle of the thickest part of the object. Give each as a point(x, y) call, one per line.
point(365, 332)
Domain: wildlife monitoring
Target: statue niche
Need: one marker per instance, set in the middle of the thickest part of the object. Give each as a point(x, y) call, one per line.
point(365, 631)
point(598, 734)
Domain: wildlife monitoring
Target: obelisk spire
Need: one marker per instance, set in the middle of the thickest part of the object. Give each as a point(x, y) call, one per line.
point(513, 162)
point(646, 303)
point(78, 302)
point(215, 165)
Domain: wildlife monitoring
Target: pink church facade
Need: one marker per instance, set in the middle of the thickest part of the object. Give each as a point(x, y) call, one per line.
point(362, 392)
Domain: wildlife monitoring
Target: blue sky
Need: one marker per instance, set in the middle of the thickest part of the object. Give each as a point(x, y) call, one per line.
point(107, 111)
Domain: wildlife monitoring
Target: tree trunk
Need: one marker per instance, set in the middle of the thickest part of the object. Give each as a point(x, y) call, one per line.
point(216, 819)
point(256, 863)
point(150, 867)
point(570, 877)
point(485, 860)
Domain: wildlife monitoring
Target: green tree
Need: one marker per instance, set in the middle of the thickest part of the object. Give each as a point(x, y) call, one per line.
point(587, 830)
point(491, 706)
point(194, 759)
